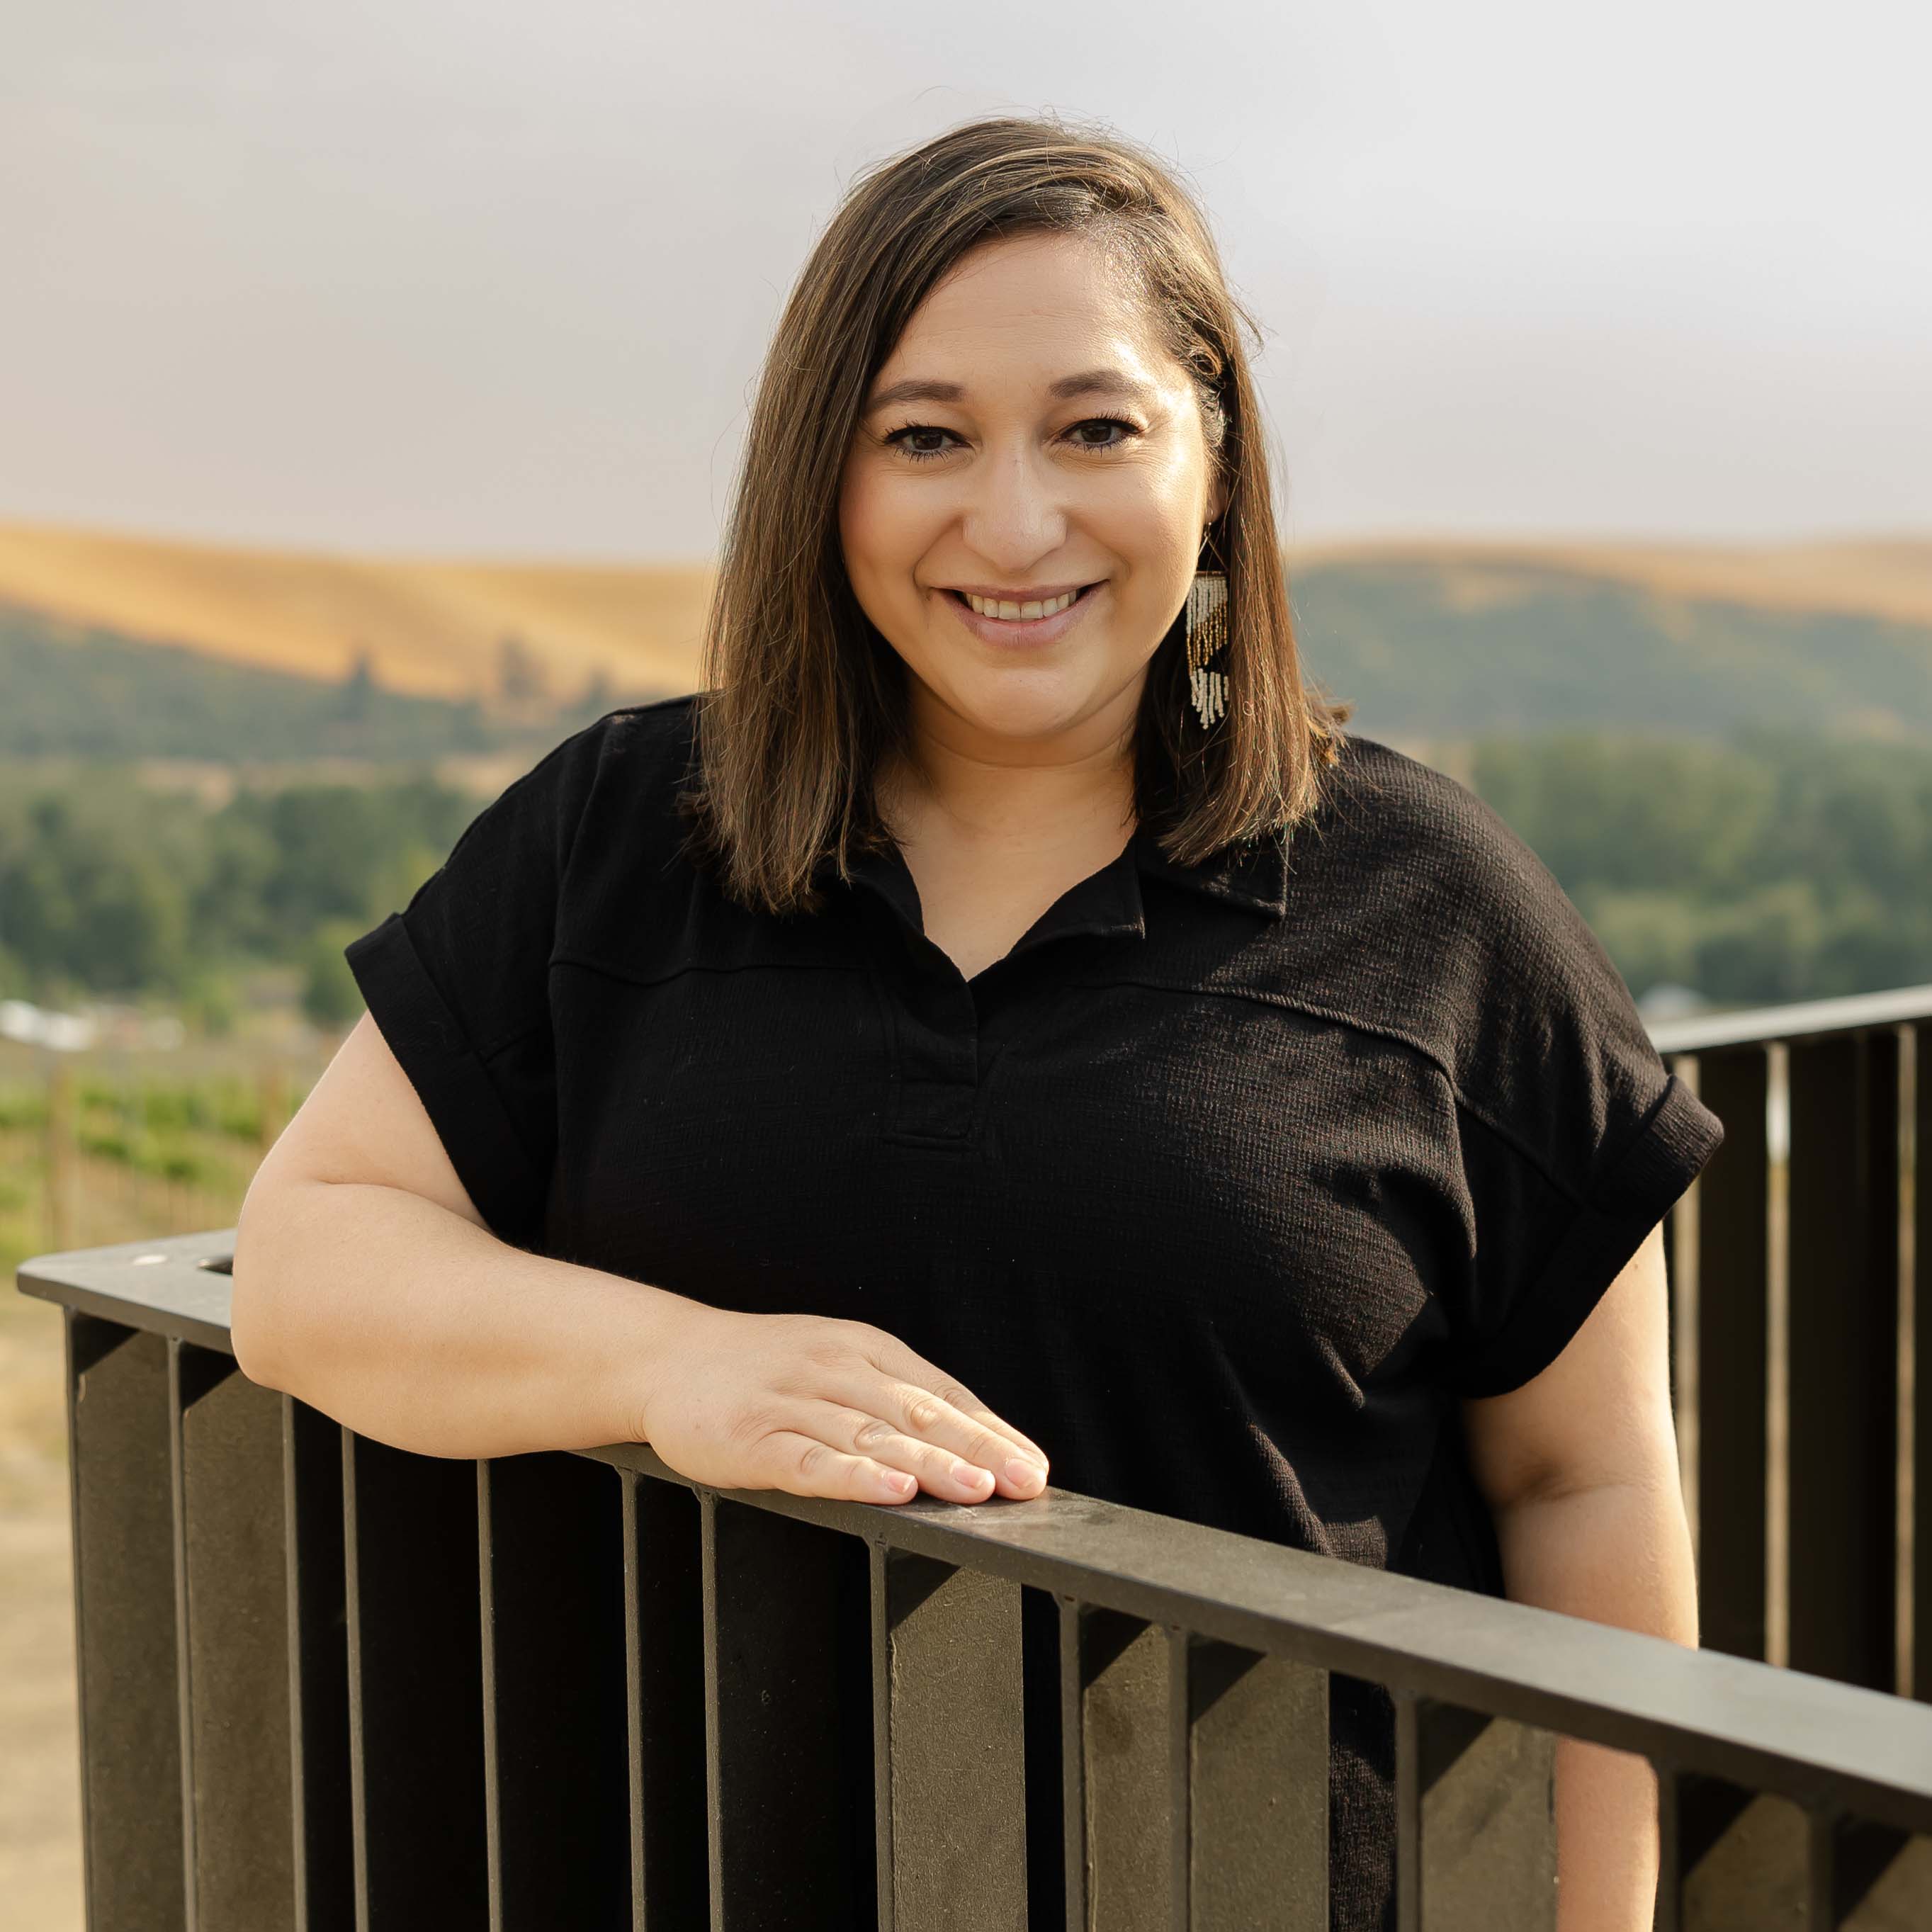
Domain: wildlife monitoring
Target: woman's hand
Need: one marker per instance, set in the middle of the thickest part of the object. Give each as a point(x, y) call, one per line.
point(817, 1406)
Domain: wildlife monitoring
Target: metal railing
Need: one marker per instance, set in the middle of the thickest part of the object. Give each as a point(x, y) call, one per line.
point(1801, 1367)
point(325, 1683)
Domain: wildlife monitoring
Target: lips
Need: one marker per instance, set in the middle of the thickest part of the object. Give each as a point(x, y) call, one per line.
point(1022, 632)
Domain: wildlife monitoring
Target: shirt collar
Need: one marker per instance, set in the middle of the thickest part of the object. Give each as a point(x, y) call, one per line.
point(1253, 874)
point(1108, 904)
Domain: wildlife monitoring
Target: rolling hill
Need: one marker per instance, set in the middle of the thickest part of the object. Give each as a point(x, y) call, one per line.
point(198, 650)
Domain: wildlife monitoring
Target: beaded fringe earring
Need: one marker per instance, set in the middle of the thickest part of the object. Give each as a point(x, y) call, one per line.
point(1206, 634)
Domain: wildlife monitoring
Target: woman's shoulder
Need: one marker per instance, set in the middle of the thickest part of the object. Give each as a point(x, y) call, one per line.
point(1424, 912)
point(616, 779)
point(1381, 806)
point(651, 745)
point(1412, 843)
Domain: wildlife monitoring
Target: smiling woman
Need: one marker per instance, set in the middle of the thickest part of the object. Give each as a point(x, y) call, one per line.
point(942, 1028)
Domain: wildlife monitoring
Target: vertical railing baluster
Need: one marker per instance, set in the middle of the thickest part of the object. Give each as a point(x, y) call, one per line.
point(1916, 1221)
point(663, 1672)
point(1741, 1857)
point(1408, 1789)
point(1257, 1789)
point(550, 1547)
point(231, 1612)
point(885, 1850)
point(1681, 1255)
point(1820, 1874)
point(1843, 1336)
point(120, 1464)
point(1670, 1913)
point(788, 1721)
point(318, 1670)
point(1733, 1268)
point(1115, 1704)
point(948, 1746)
point(178, 1399)
point(1476, 1829)
point(1073, 1846)
point(416, 1690)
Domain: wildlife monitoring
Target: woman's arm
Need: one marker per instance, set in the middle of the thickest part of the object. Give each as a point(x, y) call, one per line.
point(367, 1283)
point(1579, 1468)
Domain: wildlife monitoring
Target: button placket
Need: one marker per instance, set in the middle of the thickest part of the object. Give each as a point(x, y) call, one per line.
point(939, 1050)
point(934, 1011)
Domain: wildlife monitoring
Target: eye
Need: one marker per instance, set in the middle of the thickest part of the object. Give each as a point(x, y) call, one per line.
point(904, 438)
point(899, 439)
point(1128, 431)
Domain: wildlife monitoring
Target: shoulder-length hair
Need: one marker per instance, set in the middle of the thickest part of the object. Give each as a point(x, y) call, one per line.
point(802, 697)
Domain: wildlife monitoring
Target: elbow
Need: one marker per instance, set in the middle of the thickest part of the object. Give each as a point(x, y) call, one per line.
point(257, 1313)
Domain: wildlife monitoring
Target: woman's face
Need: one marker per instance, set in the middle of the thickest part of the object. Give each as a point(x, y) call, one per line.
point(1028, 437)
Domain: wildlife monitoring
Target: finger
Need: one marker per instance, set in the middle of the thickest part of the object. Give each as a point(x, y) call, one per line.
point(907, 1365)
point(803, 1466)
point(931, 1416)
point(937, 1469)
point(969, 1404)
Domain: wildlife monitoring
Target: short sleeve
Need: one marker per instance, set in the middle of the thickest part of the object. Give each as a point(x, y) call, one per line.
point(1575, 1138)
point(458, 982)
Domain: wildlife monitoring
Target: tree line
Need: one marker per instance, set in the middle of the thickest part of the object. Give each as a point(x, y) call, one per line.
point(1773, 866)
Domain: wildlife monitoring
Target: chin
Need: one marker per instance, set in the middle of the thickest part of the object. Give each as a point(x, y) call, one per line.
point(1024, 706)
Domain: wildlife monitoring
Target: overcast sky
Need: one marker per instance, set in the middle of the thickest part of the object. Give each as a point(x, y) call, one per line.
point(466, 276)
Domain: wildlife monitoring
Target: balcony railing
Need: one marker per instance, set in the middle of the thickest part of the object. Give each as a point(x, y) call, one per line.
point(1797, 1275)
point(325, 1683)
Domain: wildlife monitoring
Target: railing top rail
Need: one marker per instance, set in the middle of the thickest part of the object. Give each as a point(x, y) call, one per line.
point(1699, 1032)
point(1826, 1745)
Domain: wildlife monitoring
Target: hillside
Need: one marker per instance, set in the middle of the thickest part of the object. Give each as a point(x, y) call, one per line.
point(1431, 639)
point(1447, 647)
point(435, 629)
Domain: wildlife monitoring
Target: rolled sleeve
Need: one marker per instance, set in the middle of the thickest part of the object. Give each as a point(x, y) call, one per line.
point(1583, 1245)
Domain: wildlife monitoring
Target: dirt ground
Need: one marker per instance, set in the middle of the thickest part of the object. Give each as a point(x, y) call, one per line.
point(40, 1775)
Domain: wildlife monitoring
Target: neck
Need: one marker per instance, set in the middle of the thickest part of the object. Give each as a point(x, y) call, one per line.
point(983, 788)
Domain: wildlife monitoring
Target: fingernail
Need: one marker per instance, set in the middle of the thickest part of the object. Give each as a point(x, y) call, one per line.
point(1024, 1475)
point(968, 1475)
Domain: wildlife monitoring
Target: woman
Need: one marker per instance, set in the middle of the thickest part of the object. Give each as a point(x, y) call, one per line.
point(1005, 1020)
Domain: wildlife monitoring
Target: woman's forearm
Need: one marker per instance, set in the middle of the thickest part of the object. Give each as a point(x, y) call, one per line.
point(1616, 1553)
point(413, 1325)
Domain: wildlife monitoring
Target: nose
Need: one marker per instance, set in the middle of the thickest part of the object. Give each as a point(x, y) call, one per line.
point(1016, 511)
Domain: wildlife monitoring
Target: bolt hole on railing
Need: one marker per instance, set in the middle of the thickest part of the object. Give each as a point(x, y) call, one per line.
point(325, 1683)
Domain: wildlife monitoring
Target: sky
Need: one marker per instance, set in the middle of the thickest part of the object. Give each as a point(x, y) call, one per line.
point(467, 277)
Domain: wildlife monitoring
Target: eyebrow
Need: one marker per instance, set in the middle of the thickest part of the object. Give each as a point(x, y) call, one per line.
point(1087, 383)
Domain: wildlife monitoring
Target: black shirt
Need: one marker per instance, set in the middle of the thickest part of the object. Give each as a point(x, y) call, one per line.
point(1223, 1185)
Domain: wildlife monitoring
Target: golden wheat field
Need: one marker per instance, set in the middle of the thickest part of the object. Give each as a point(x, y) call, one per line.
point(430, 628)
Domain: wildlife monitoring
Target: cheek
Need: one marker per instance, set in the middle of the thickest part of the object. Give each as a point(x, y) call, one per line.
point(882, 527)
point(1153, 525)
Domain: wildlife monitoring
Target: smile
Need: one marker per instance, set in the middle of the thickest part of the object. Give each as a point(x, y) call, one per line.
point(994, 606)
point(1043, 620)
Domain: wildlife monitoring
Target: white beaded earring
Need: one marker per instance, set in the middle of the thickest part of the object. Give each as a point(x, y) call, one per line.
point(1206, 634)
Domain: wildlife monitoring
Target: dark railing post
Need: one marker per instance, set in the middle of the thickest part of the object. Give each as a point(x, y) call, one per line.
point(122, 1475)
point(313, 1517)
point(550, 1553)
point(1733, 1344)
point(663, 1702)
point(1843, 1327)
point(416, 1689)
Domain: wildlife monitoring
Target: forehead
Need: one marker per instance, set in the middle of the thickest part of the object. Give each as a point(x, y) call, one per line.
point(1033, 304)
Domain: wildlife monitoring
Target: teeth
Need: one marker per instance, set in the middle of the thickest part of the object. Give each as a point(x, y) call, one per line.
point(991, 607)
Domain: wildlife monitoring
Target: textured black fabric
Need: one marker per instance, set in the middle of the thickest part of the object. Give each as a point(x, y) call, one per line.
point(1223, 1185)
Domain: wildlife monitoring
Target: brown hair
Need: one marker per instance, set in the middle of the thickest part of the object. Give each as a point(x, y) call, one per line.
point(801, 696)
